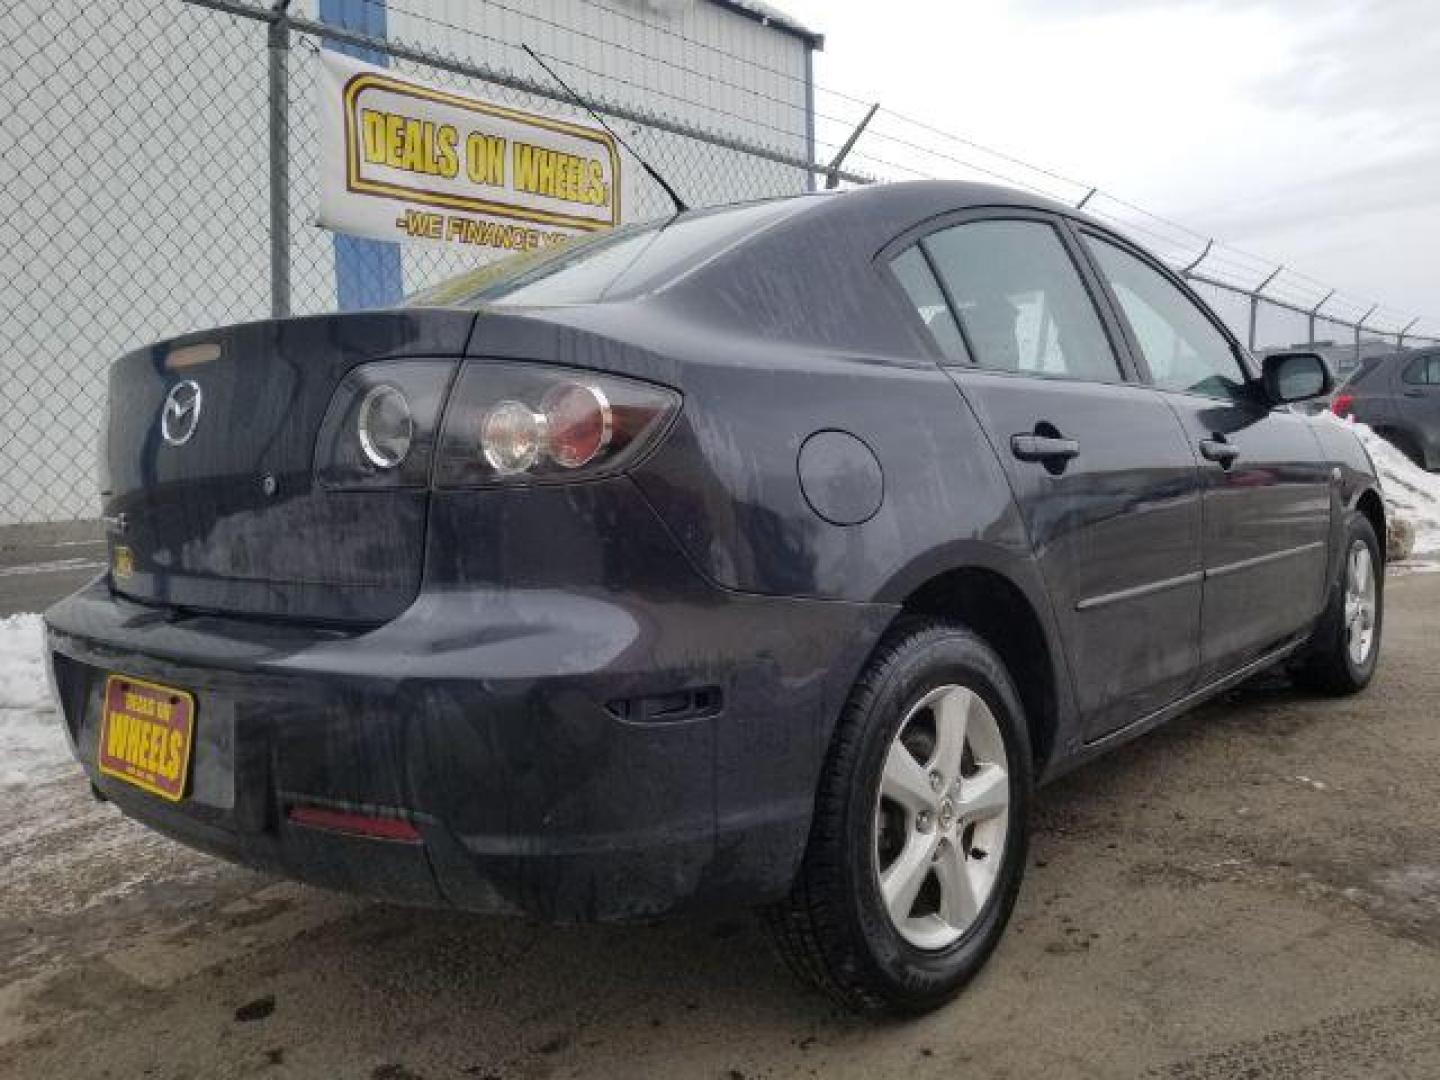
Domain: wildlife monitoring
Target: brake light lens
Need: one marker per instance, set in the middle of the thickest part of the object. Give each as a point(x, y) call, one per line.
point(578, 423)
point(1341, 404)
point(534, 423)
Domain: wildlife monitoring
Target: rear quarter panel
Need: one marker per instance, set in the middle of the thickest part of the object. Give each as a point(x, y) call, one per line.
point(726, 478)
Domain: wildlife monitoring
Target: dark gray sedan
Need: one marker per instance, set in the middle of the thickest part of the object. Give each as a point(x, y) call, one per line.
point(769, 554)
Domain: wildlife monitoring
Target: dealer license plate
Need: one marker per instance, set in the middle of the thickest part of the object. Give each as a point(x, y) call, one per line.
point(146, 731)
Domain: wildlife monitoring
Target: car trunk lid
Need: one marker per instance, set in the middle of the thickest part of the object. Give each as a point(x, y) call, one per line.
point(208, 470)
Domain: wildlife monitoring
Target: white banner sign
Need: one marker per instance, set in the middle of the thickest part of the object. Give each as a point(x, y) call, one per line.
point(401, 160)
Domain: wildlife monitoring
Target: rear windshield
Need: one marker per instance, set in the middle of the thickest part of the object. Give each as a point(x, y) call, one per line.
point(614, 265)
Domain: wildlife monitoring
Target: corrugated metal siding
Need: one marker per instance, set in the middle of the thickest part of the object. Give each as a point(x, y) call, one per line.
point(692, 61)
point(695, 62)
point(698, 62)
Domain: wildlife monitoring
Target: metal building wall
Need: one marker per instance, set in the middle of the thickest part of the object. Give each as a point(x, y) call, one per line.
point(695, 60)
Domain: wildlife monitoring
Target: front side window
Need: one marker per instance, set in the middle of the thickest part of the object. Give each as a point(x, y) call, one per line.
point(1021, 301)
point(1182, 347)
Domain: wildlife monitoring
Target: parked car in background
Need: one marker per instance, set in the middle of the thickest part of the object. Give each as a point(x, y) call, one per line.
point(1399, 396)
point(1343, 359)
point(769, 554)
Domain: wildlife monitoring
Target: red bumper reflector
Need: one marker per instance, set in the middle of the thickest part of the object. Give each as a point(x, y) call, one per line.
point(343, 821)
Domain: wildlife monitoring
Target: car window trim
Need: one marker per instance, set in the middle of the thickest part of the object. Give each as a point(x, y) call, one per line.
point(1082, 228)
point(1127, 372)
point(945, 295)
point(914, 321)
point(968, 357)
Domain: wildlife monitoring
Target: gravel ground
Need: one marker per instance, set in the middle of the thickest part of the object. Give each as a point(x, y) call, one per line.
point(1252, 891)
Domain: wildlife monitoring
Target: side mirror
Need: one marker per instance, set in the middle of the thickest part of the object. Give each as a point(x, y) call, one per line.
point(1296, 376)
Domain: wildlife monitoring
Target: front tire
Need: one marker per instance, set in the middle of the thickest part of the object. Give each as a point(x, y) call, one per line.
point(918, 843)
point(1345, 648)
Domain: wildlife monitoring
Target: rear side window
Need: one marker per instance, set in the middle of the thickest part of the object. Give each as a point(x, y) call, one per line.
point(1020, 300)
point(913, 273)
point(1424, 371)
point(1182, 347)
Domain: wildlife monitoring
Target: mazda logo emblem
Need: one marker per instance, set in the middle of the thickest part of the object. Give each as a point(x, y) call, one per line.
point(180, 414)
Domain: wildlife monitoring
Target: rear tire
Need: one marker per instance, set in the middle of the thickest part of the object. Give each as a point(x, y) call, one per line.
point(918, 843)
point(1345, 648)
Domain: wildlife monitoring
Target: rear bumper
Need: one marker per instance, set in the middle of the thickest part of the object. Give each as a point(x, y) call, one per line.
point(541, 742)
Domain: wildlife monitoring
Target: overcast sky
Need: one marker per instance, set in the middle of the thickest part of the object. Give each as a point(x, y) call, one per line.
point(1307, 131)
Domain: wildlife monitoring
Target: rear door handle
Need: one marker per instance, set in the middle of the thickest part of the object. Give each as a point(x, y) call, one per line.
point(1044, 448)
point(1218, 451)
point(1414, 393)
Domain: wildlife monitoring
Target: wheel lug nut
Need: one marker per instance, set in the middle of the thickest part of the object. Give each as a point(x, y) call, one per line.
point(937, 782)
point(922, 821)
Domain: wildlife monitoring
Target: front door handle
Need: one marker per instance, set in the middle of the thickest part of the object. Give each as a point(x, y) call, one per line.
point(1047, 448)
point(1414, 393)
point(1218, 451)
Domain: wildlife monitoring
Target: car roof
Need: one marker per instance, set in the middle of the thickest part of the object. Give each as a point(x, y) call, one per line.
point(864, 220)
point(918, 200)
point(951, 193)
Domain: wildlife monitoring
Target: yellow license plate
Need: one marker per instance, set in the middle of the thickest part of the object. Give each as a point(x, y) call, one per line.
point(145, 735)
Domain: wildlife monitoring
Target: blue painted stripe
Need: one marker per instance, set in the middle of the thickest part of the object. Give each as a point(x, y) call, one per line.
point(367, 272)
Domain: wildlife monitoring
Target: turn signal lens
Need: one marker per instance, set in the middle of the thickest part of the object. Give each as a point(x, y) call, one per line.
point(384, 426)
point(534, 423)
point(512, 436)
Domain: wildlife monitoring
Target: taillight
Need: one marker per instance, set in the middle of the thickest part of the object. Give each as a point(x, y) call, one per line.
point(533, 423)
point(1341, 404)
point(379, 431)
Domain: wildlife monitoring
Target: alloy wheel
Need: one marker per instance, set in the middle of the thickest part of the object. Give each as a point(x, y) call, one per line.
point(1360, 606)
point(941, 817)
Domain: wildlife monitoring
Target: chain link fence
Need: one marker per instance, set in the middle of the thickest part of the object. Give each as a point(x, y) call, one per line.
point(137, 201)
point(105, 238)
point(142, 170)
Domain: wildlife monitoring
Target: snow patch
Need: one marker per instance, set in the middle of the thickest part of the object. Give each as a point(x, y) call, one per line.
point(22, 673)
point(60, 850)
point(1411, 493)
point(32, 743)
